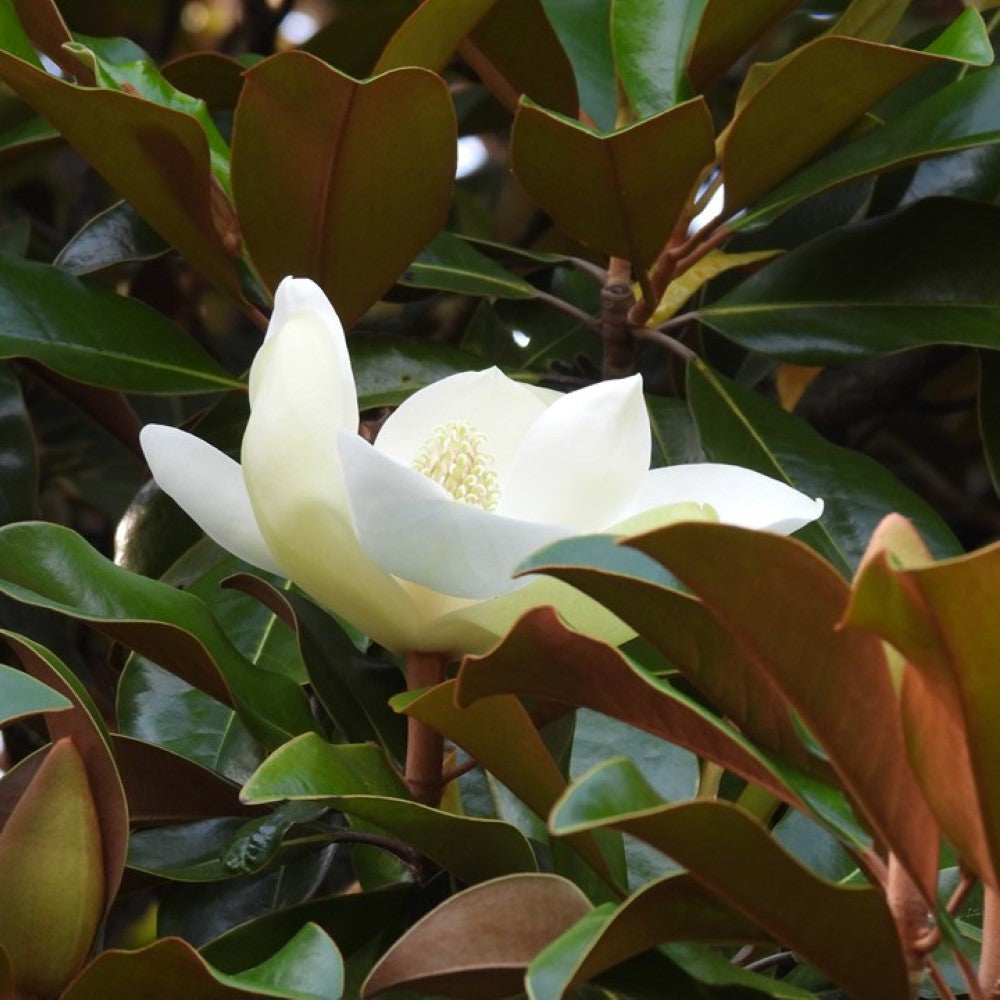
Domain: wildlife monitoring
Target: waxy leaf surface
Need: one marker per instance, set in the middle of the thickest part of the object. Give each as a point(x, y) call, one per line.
point(91, 335)
point(846, 931)
point(940, 617)
point(431, 33)
point(309, 768)
point(803, 105)
point(52, 567)
point(782, 604)
point(156, 157)
point(368, 187)
point(480, 941)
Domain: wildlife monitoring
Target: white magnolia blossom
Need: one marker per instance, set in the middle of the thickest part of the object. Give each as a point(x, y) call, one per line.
point(413, 540)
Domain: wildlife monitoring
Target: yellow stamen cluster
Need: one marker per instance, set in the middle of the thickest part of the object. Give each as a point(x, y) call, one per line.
point(455, 456)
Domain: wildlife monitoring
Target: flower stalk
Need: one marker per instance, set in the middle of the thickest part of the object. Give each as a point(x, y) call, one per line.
point(424, 746)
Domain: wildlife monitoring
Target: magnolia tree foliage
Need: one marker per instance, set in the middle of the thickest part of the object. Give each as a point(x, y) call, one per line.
point(569, 575)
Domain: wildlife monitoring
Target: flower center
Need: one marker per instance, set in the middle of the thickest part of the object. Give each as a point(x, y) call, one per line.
point(455, 456)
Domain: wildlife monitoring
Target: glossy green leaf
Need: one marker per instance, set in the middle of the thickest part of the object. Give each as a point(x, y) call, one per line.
point(651, 40)
point(115, 236)
point(938, 615)
point(52, 567)
point(542, 658)
point(739, 426)
point(15, 39)
point(94, 336)
point(803, 105)
point(675, 437)
point(183, 790)
point(215, 78)
point(725, 32)
point(356, 780)
point(156, 157)
point(479, 942)
point(498, 733)
point(674, 908)
point(256, 844)
point(963, 115)
point(520, 44)
point(22, 695)
point(308, 967)
point(370, 189)
point(621, 193)
point(84, 726)
point(18, 456)
point(584, 28)
point(120, 65)
point(782, 604)
point(430, 34)
point(450, 264)
point(846, 931)
point(158, 707)
point(189, 852)
point(387, 369)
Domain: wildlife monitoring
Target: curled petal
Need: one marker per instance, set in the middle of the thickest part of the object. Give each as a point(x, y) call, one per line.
point(292, 470)
point(584, 458)
point(499, 408)
point(738, 496)
point(209, 486)
point(414, 529)
point(299, 304)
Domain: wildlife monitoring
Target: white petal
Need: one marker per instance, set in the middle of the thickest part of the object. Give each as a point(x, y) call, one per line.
point(292, 470)
point(498, 407)
point(303, 312)
point(739, 496)
point(583, 459)
point(209, 486)
point(413, 528)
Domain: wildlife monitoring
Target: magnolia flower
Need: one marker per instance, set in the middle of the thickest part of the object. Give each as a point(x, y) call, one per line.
point(413, 540)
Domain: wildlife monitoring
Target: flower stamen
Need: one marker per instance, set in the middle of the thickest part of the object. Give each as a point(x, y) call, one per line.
point(455, 456)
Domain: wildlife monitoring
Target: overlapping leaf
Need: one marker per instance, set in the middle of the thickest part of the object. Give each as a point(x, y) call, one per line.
point(846, 931)
point(370, 183)
point(621, 193)
point(782, 604)
point(52, 567)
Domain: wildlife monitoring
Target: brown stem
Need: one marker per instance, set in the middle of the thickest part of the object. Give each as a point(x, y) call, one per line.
point(567, 307)
point(944, 991)
point(424, 746)
point(989, 956)
point(619, 344)
point(665, 340)
point(910, 914)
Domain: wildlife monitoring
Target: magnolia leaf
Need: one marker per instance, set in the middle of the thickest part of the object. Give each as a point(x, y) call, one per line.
point(370, 188)
point(802, 106)
point(541, 658)
point(156, 157)
point(49, 566)
point(92, 335)
point(430, 34)
point(21, 695)
point(711, 265)
point(848, 932)
point(621, 193)
point(782, 604)
point(479, 942)
point(948, 693)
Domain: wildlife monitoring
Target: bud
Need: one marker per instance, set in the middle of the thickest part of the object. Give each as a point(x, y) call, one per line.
point(51, 871)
